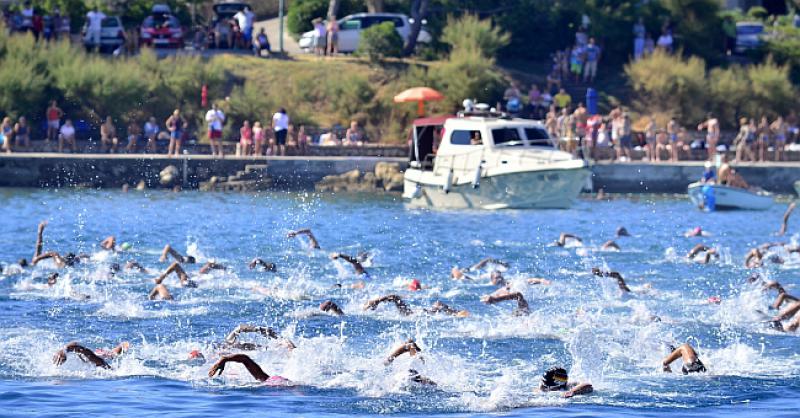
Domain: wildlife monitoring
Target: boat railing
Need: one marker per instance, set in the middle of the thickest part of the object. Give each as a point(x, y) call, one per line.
point(463, 161)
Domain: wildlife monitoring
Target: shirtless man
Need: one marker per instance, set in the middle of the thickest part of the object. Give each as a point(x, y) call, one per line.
point(354, 262)
point(410, 347)
point(312, 241)
point(403, 308)
point(610, 245)
point(179, 271)
point(88, 355)
point(562, 239)
point(711, 125)
point(505, 294)
point(332, 307)
point(68, 260)
point(168, 250)
point(161, 292)
point(251, 366)
point(556, 379)
point(109, 243)
point(614, 275)
point(699, 248)
point(232, 339)
point(691, 363)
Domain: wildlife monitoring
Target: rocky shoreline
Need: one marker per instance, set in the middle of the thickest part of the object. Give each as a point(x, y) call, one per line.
point(387, 177)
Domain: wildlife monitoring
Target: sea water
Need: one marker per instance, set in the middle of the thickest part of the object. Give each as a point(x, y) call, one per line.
point(488, 363)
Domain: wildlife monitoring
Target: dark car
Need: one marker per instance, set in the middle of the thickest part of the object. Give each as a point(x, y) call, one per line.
point(161, 29)
point(221, 24)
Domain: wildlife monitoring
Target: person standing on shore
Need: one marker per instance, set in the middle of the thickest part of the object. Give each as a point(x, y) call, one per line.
point(54, 115)
point(639, 32)
point(673, 131)
point(258, 138)
point(711, 125)
point(592, 52)
point(151, 132)
point(780, 130)
point(108, 136)
point(320, 37)
point(280, 125)
point(175, 125)
point(333, 36)
point(762, 132)
point(22, 133)
point(245, 138)
point(743, 141)
point(215, 119)
point(67, 135)
point(7, 131)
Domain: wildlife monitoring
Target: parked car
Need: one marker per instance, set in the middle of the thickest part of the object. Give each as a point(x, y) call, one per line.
point(161, 29)
point(221, 24)
point(112, 35)
point(350, 28)
point(748, 36)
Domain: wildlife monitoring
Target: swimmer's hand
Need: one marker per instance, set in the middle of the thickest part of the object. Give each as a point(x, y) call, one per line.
point(335, 256)
point(666, 368)
point(218, 367)
point(569, 394)
point(60, 357)
point(291, 234)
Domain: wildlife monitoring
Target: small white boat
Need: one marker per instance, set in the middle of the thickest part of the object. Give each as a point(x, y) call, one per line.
point(489, 161)
point(719, 197)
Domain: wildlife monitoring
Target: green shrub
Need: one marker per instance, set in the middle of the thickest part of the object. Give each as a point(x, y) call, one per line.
point(473, 34)
point(380, 41)
point(771, 90)
point(757, 13)
point(301, 12)
point(729, 91)
point(467, 74)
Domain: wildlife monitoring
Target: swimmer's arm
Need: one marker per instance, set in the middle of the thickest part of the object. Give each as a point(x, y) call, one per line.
point(696, 250)
point(109, 243)
point(251, 366)
point(39, 239)
point(51, 254)
point(161, 291)
point(785, 224)
point(307, 232)
point(257, 262)
point(356, 265)
point(480, 264)
point(84, 353)
point(580, 389)
point(537, 280)
point(211, 266)
point(620, 281)
point(265, 331)
point(409, 346)
point(135, 265)
point(331, 306)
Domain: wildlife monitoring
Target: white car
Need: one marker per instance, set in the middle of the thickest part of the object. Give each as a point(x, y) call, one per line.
point(112, 35)
point(350, 28)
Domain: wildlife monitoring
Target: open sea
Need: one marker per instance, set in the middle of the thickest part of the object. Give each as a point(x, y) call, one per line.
point(487, 364)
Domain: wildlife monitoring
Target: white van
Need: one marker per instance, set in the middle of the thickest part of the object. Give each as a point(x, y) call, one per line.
point(350, 28)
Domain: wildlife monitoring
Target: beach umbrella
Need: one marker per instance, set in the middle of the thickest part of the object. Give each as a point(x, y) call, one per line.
point(419, 95)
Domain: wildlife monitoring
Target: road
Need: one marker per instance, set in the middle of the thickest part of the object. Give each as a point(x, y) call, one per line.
point(272, 27)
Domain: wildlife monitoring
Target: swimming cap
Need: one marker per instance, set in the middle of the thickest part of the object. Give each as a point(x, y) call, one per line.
point(195, 354)
point(414, 285)
point(125, 246)
point(714, 299)
point(697, 231)
point(554, 378)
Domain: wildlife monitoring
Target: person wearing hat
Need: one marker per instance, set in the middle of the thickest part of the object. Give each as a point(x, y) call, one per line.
point(556, 379)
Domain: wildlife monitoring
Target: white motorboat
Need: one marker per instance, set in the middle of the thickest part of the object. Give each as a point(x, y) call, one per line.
point(489, 161)
point(719, 197)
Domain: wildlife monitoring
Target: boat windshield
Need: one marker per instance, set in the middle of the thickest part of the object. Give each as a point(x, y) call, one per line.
point(538, 137)
point(507, 137)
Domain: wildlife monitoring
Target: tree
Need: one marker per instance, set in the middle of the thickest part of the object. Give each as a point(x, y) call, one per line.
point(375, 6)
point(469, 32)
point(333, 8)
point(379, 41)
point(419, 11)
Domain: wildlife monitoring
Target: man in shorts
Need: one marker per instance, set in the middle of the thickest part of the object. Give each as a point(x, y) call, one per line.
point(280, 125)
point(215, 119)
point(54, 114)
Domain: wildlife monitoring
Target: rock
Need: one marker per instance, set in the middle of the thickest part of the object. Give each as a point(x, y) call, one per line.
point(384, 170)
point(395, 183)
point(351, 176)
point(169, 175)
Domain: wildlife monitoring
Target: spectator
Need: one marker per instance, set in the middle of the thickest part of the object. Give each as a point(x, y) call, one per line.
point(333, 36)
point(639, 33)
point(245, 138)
point(7, 131)
point(553, 81)
point(261, 43)
point(63, 28)
point(551, 123)
point(665, 41)
point(592, 57)
point(94, 26)
point(512, 97)
point(151, 133)
point(134, 132)
point(108, 136)
point(680, 144)
point(661, 144)
point(245, 18)
point(54, 114)
point(762, 139)
point(37, 24)
point(579, 119)
point(236, 34)
point(581, 37)
point(780, 131)
point(562, 99)
point(302, 140)
point(258, 138)
point(354, 135)
point(216, 120)
point(535, 102)
point(593, 125)
point(711, 125)
point(66, 135)
point(223, 33)
point(175, 125)
point(650, 138)
point(673, 130)
point(649, 45)
point(547, 101)
point(320, 37)
point(280, 125)
point(563, 129)
point(742, 142)
point(22, 134)
point(26, 23)
point(576, 59)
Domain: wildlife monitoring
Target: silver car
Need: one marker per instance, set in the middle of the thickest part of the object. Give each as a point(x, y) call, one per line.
point(350, 28)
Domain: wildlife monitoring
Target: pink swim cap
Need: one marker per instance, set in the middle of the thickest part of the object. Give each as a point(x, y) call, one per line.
point(698, 231)
point(195, 354)
point(714, 299)
point(415, 285)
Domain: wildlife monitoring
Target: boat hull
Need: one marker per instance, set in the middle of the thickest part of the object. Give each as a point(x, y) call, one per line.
point(731, 198)
point(541, 189)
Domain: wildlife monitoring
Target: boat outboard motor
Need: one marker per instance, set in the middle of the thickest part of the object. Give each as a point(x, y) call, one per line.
point(476, 182)
point(709, 200)
point(448, 182)
point(417, 191)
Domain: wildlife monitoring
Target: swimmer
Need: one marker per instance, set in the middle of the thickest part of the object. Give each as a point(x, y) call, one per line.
point(691, 363)
point(496, 279)
point(312, 240)
point(359, 284)
point(539, 280)
point(755, 258)
point(787, 313)
point(622, 232)
point(699, 248)
point(210, 265)
point(133, 265)
point(115, 352)
point(248, 363)
point(460, 273)
point(415, 285)
point(556, 379)
point(69, 260)
point(610, 245)
point(614, 275)
point(505, 294)
point(110, 243)
point(696, 232)
point(355, 263)
point(85, 354)
point(15, 268)
point(52, 279)
point(231, 340)
point(168, 250)
point(161, 292)
point(332, 307)
point(785, 223)
point(257, 262)
point(410, 347)
point(179, 271)
point(402, 306)
point(562, 239)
